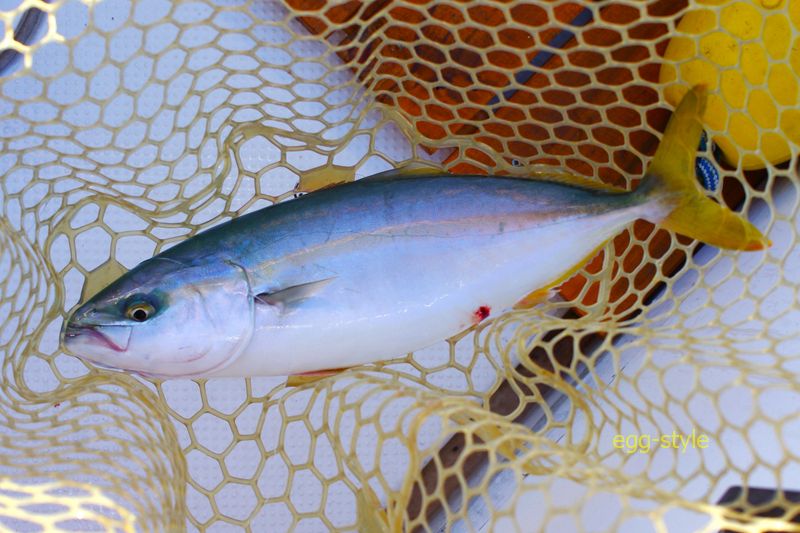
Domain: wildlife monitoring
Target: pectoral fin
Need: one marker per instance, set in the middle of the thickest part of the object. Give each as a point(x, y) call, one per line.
point(291, 295)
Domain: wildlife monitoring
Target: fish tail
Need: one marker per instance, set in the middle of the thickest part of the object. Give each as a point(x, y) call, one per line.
point(670, 179)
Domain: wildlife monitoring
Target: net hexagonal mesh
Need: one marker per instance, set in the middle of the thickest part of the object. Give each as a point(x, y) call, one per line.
point(130, 126)
point(60, 507)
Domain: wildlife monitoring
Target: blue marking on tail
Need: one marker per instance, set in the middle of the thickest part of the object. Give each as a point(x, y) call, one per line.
point(706, 170)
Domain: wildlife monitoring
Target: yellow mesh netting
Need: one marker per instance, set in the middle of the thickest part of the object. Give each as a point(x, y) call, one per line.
point(129, 126)
point(60, 507)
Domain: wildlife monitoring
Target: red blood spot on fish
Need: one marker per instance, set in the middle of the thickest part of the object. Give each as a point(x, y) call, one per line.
point(481, 313)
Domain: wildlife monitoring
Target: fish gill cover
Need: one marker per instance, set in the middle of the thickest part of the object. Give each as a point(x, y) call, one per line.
point(657, 377)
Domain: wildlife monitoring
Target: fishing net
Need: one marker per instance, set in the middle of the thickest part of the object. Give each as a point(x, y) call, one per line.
point(655, 390)
point(60, 507)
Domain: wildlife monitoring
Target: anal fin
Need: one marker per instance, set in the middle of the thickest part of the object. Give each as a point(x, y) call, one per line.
point(306, 378)
point(535, 298)
point(542, 294)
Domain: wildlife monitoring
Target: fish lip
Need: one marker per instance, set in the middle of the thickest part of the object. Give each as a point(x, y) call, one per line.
point(72, 332)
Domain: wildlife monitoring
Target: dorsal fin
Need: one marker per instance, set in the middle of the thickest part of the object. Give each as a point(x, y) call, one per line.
point(414, 169)
point(535, 172)
point(558, 175)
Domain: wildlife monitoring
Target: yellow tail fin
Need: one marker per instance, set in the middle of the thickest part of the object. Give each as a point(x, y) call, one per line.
point(672, 174)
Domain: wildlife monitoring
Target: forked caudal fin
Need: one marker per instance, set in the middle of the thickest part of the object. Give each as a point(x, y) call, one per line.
point(671, 176)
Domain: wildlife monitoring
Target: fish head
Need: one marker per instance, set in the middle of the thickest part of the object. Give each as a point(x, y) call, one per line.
point(165, 319)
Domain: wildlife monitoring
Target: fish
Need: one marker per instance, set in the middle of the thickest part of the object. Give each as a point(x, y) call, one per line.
point(381, 266)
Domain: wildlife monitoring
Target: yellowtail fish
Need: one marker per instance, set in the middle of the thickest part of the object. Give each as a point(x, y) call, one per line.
point(380, 267)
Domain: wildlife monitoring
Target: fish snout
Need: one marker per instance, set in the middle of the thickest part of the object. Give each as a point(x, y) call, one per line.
point(87, 327)
point(69, 330)
point(73, 326)
point(92, 316)
point(70, 338)
point(83, 315)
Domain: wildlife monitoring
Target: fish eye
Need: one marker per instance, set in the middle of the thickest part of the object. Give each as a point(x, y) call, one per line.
point(139, 312)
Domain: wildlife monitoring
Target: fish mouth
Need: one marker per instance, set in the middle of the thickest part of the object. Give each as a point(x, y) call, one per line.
point(115, 338)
